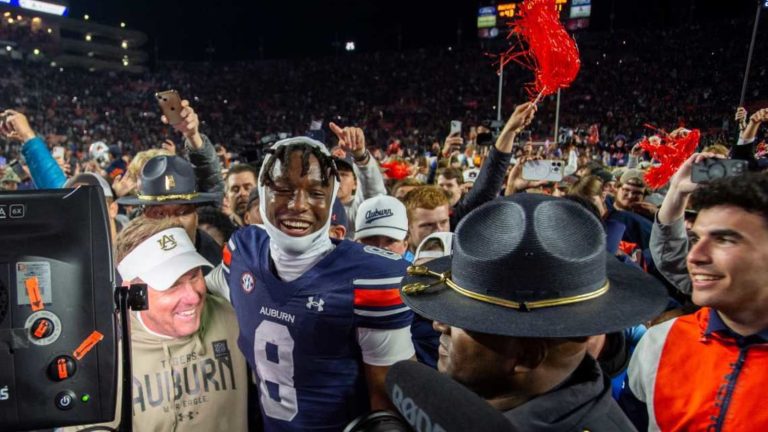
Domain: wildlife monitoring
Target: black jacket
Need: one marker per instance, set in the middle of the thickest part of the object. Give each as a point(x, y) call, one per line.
point(208, 248)
point(487, 186)
point(582, 403)
point(207, 166)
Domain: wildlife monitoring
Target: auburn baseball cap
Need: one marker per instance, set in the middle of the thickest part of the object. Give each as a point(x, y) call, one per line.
point(470, 175)
point(435, 245)
point(381, 215)
point(162, 259)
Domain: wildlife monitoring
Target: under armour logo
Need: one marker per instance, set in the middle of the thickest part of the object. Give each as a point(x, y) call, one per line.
point(311, 303)
point(167, 242)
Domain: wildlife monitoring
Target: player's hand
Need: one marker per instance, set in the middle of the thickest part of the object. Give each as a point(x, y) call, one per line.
point(350, 138)
point(15, 126)
point(189, 125)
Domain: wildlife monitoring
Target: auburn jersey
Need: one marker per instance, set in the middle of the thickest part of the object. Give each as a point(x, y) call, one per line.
point(301, 337)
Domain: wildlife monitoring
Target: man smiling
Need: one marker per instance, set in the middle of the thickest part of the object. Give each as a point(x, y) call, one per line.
point(725, 344)
point(183, 339)
point(321, 321)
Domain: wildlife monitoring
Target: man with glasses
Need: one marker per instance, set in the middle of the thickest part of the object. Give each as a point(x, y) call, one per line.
point(168, 190)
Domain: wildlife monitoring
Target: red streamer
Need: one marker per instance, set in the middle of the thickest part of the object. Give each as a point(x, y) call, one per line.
point(551, 52)
point(671, 152)
point(397, 170)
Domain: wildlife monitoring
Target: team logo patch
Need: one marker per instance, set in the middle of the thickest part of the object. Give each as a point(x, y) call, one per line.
point(167, 242)
point(247, 281)
point(220, 348)
point(315, 303)
point(170, 182)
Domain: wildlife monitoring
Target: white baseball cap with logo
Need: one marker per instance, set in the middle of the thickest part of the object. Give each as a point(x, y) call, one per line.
point(470, 175)
point(442, 239)
point(162, 259)
point(381, 215)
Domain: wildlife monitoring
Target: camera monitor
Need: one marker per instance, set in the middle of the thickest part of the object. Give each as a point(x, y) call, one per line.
point(58, 357)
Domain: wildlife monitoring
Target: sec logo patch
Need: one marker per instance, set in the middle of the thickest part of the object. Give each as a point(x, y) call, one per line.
point(247, 282)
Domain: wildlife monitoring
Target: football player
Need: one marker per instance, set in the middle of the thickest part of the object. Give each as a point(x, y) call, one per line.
point(320, 320)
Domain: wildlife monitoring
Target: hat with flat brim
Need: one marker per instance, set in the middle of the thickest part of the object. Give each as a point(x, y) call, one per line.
point(166, 180)
point(532, 266)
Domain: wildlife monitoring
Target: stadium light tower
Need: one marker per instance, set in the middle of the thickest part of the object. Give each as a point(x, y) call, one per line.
point(350, 46)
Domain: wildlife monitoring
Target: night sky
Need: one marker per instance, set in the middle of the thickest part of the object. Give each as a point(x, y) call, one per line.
point(236, 30)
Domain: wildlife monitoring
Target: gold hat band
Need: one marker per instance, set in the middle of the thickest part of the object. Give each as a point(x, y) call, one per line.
point(418, 288)
point(168, 197)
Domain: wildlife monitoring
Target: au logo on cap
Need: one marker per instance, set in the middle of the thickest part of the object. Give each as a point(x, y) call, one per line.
point(167, 242)
point(170, 182)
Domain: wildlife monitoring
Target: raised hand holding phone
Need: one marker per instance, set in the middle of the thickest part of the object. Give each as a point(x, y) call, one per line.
point(178, 113)
point(455, 127)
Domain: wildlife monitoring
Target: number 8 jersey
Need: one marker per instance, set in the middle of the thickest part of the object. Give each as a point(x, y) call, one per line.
point(302, 337)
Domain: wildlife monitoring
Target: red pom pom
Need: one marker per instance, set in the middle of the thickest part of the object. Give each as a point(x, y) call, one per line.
point(551, 52)
point(670, 153)
point(397, 170)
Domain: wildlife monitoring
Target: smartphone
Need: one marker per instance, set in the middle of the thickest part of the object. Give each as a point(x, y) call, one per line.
point(170, 104)
point(3, 161)
point(548, 170)
point(18, 169)
point(712, 169)
point(455, 127)
point(58, 152)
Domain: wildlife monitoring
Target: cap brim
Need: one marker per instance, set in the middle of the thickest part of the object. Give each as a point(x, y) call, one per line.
point(203, 197)
point(633, 298)
point(165, 274)
point(391, 232)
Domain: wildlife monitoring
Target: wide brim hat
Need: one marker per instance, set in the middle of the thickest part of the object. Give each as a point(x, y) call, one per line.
point(166, 180)
point(532, 266)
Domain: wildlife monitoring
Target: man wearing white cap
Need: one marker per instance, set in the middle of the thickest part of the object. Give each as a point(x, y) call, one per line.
point(382, 222)
point(187, 369)
point(470, 176)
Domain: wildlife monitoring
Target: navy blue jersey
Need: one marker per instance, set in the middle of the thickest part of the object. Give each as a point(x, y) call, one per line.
point(301, 337)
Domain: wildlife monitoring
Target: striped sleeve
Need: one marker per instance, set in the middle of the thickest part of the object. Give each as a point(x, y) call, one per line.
point(226, 255)
point(378, 304)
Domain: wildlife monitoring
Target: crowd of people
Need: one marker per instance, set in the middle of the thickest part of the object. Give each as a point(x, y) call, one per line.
point(584, 301)
point(627, 79)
